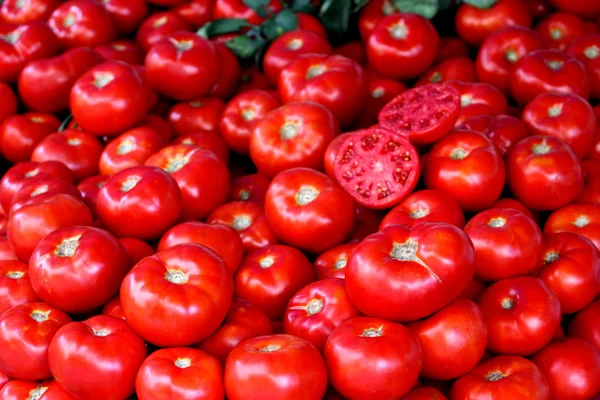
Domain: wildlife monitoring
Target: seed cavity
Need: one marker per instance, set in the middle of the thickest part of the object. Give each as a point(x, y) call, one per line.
point(399, 31)
point(555, 110)
point(592, 52)
point(494, 376)
point(419, 213)
point(67, 247)
point(458, 154)
point(549, 258)
point(15, 274)
point(248, 114)
point(40, 316)
point(372, 332)
point(306, 195)
point(241, 222)
point(125, 147)
point(294, 44)
point(581, 221)
point(37, 393)
point(244, 195)
point(497, 222)
point(340, 263)
point(314, 71)
point(69, 20)
point(408, 252)
point(101, 79)
point(269, 348)
point(507, 303)
point(176, 276)
point(100, 332)
point(266, 262)
point(314, 306)
point(289, 130)
point(183, 363)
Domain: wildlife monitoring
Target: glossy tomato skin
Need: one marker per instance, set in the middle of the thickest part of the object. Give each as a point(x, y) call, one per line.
point(559, 29)
point(331, 153)
point(8, 105)
point(38, 189)
point(89, 189)
point(127, 14)
point(543, 172)
point(25, 334)
point(583, 219)
point(452, 340)
point(307, 201)
point(522, 315)
point(20, 134)
point(202, 114)
point(17, 389)
point(372, 357)
point(380, 92)
point(586, 50)
point(230, 73)
point(56, 392)
point(572, 368)
point(158, 26)
point(113, 307)
point(502, 130)
point(6, 251)
point(15, 285)
point(222, 239)
point(424, 393)
point(79, 23)
point(196, 12)
point(405, 267)
point(269, 277)
point(206, 140)
point(180, 372)
point(586, 324)
point(147, 197)
point(198, 285)
point(239, 9)
point(252, 188)
point(370, 15)
point(69, 272)
point(332, 263)
point(402, 46)
point(136, 249)
point(467, 166)
point(16, 12)
point(503, 377)
point(507, 244)
point(113, 354)
point(478, 99)
point(453, 68)
point(578, 7)
point(122, 50)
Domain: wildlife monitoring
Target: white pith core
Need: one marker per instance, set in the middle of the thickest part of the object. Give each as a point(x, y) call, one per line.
point(36, 393)
point(555, 110)
point(592, 52)
point(494, 376)
point(314, 71)
point(507, 303)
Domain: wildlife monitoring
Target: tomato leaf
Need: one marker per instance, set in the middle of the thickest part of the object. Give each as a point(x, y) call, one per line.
point(302, 6)
point(426, 8)
point(261, 7)
point(358, 4)
point(222, 26)
point(444, 4)
point(480, 3)
point(283, 22)
point(246, 46)
point(335, 15)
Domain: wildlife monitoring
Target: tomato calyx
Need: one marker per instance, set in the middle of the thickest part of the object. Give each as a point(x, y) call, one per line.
point(541, 148)
point(507, 303)
point(550, 257)
point(266, 262)
point(555, 110)
point(69, 20)
point(67, 247)
point(511, 56)
point(32, 173)
point(399, 31)
point(294, 44)
point(497, 222)
point(494, 376)
point(160, 22)
point(289, 130)
point(466, 100)
point(418, 213)
point(248, 114)
point(244, 195)
point(74, 142)
point(372, 332)
point(175, 164)
point(40, 316)
point(176, 276)
point(269, 348)
point(181, 45)
point(306, 195)
point(581, 221)
point(39, 190)
point(408, 252)
point(241, 222)
point(459, 154)
point(37, 393)
point(183, 363)
point(556, 34)
point(592, 52)
point(314, 306)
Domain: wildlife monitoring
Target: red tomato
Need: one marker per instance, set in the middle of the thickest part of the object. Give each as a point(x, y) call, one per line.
point(136, 249)
point(196, 12)
point(239, 9)
point(206, 140)
point(368, 357)
point(197, 284)
point(392, 271)
point(353, 50)
point(451, 47)
point(503, 377)
point(367, 222)
point(559, 29)
point(251, 188)
point(370, 15)
point(243, 321)
point(513, 204)
point(18, 390)
point(332, 263)
point(503, 130)
point(241, 114)
point(159, 125)
point(183, 66)
point(17, 12)
point(126, 14)
point(230, 72)
point(331, 153)
point(587, 50)
point(89, 189)
point(146, 197)
point(180, 372)
point(282, 366)
point(402, 46)
point(467, 166)
point(122, 50)
point(577, 6)
point(521, 314)
point(424, 393)
point(41, 188)
point(543, 172)
point(68, 271)
point(107, 348)
point(507, 244)
point(20, 134)
point(541, 71)
point(159, 26)
point(81, 23)
point(586, 324)
point(381, 91)
point(15, 285)
point(25, 334)
point(473, 291)
point(572, 368)
point(55, 392)
point(222, 239)
point(460, 68)
point(6, 252)
point(8, 100)
point(113, 307)
point(253, 79)
point(307, 22)
point(269, 277)
point(478, 99)
point(577, 218)
point(197, 115)
point(3, 379)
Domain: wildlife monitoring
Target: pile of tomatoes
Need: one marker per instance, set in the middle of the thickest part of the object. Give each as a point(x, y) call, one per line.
point(210, 199)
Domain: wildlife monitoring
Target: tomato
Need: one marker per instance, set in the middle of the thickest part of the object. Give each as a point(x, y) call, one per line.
point(104, 346)
point(570, 267)
point(183, 66)
point(8, 103)
point(241, 114)
point(20, 134)
point(577, 6)
point(474, 24)
point(122, 50)
point(502, 377)
point(15, 285)
point(587, 50)
point(17, 390)
point(521, 314)
point(353, 50)
point(206, 140)
point(583, 219)
point(371, 14)
point(113, 307)
point(541, 71)
point(372, 357)
point(451, 47)
point(159, 125)
point(290, 45)
point(333, 81)
point(332, 263)
point(203, 114)
point(427, 113)
point(126, 14)
point(222, 239)
point(41, 188)
point(25, 334)
point(572, 368)
point(306, 22)
point(230, 72)
point(68, 147)
point(503, 130)
point(478, 99)
point(197, 284)
point(130, 149)
point(239, 9)
point(80, 23)
point(405, 267)
point(159, 26)
point(196, 12)
point(146, 197)
point(425, 206)
point(6, 252)
point(507, 244)
point(543, 172)
point(459, 68)
point(24, 43)
point(19, 12)
point(89, 189)
point(136, 249)
point(586, 324)
point(467, 166)
point(55, 392)
point(253, 79)
point(424, 393)
point(381, 91)
point(3, 379)
point(559, 29)
point(513, 204)
point(252, 188)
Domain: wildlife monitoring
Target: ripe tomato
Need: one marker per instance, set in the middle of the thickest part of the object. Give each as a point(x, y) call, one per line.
point(458, 68)
point(55, 392)
point(103, 345)
point(17, 390)
point(572, 368)
point(6, 252)
point(146, 197)
point(478, 99)
point(559, 29)
point(37, 189)
point(222, 239)
point(577, 6)
point(159, 26)
point(367, 222)
point(543, 172)
point(8, 103)
point(25, 334)
point(392, 271)
point(89, 189)
point(370, 15)
point(198, 115)
point(206, 140)
point(180, 372)
point(425, 206)
point(332, 263)
point(239, 9)
point(197, 284)
point(424, 393)
point(451, 47)
point(372, 357)
point(80, 23)
point(252, 188)
point(306, 22)
point(503, 377)
point(452, 340)
point(282, 366)
point(183, 66)
point(503, 130)
point(402, 46)
point(381, 91)
point(196, 12)
point(269, 277)
point(521, 314)
point(127, 14)
point(587, 50)
point(136, 249)
point(583, 219)
point(17, 12)
point(467, 166)
point(586, 324)
point(20, 134)
point(15, 285)
point(354, 50)
point(229, 77)
point(253, 79)
point(304, 200)
point(113, 307)
point(122, 50)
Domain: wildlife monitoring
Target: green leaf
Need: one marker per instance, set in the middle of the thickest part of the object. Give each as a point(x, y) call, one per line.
point(358, 4)
point(260, 6)
point(222, 26)
point(65, 123)
point(283, 22)
point(245, 46)
point(335, 15)
point(302, 6)
point(481, 3)
point(444, 4)
point(426, 8)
